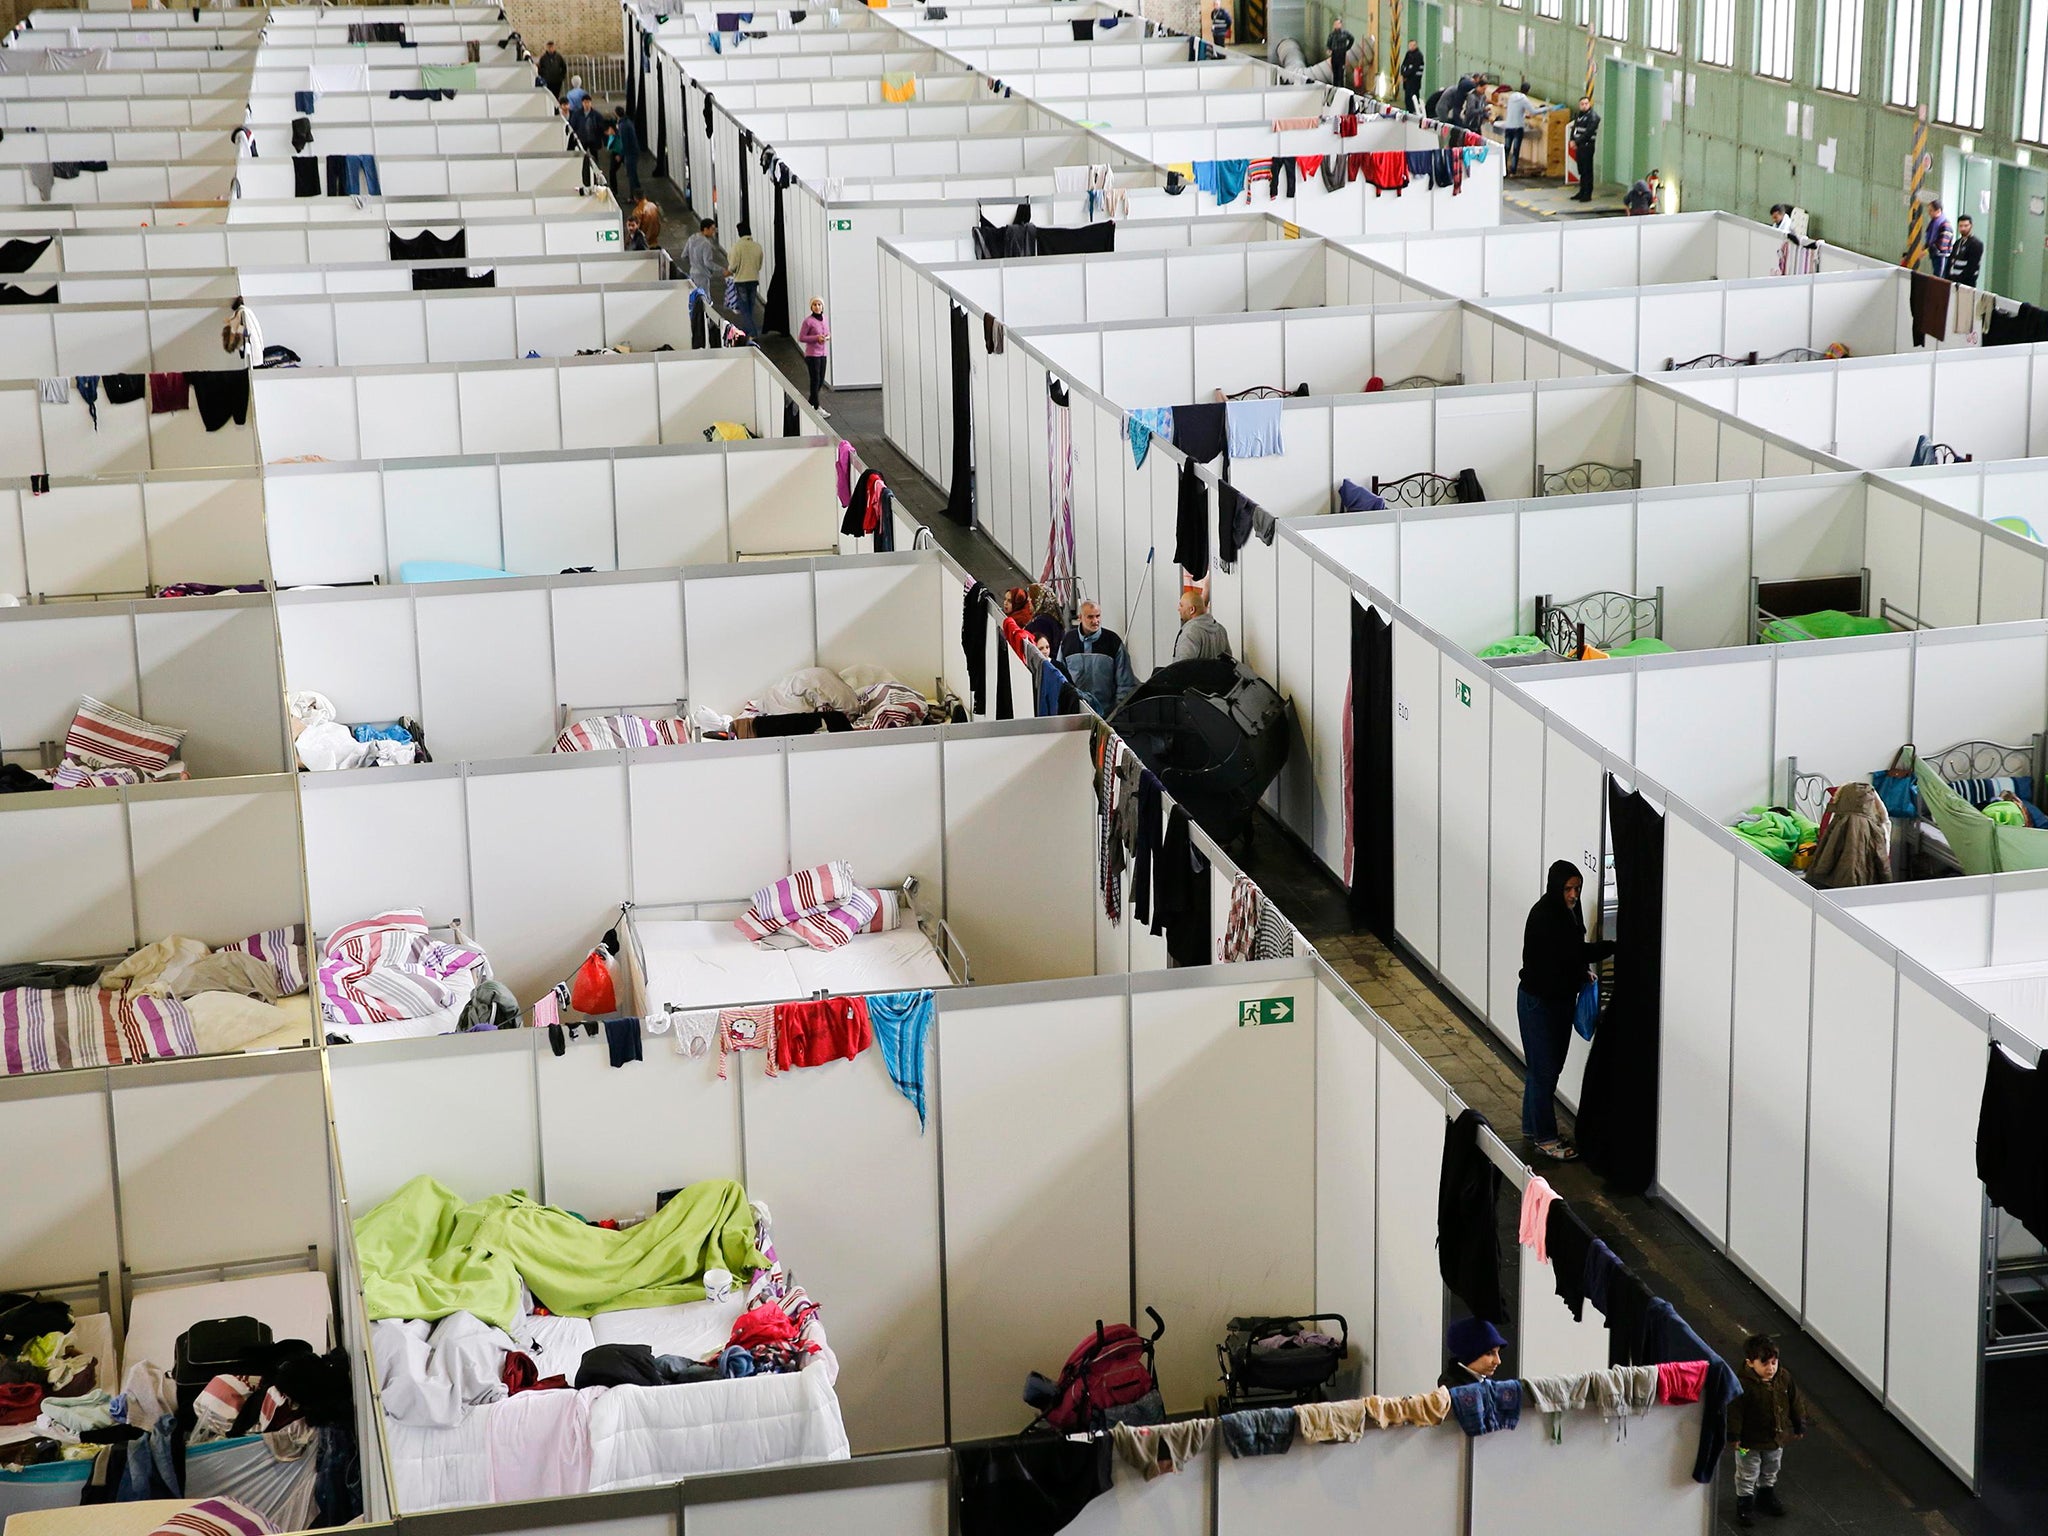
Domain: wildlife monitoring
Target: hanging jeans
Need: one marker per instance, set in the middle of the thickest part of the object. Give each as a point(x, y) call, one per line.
point(1546, 1035)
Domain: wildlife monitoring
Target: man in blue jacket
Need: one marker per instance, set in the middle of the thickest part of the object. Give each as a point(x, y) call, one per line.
point(1096, 662)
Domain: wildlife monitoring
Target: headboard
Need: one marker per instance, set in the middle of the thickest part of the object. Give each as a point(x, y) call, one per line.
point(1589, 478)
point(1423, 381)
point(1264, 392)
point(1806, 794)
point(1710, 360)
point(1990, 760)
point(1789, 355)
point(1769, 600)
point(1599, 619)
point(1424, 488)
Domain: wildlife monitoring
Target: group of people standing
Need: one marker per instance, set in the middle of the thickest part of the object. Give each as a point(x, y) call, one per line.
point(1094, 656)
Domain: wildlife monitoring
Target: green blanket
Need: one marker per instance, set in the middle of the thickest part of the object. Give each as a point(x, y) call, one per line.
point(426, 1254)
point(1775, 834)
point(1514, 645)
point(1648, 645)
point(447, 77)
point(1827, 624)
point(1981, 845)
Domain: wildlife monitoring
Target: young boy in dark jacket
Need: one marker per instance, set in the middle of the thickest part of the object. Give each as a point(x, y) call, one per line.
point(1761, 1422)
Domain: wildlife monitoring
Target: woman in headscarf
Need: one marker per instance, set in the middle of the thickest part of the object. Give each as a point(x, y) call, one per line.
point(1557, 960)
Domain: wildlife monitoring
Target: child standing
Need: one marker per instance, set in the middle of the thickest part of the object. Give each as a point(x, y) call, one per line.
point(1761, 1422)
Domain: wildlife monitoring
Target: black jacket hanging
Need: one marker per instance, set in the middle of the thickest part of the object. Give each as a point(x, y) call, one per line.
point(1468, 1220)
point(776, 315)
point(1233, 523)
point(974, 645)
point(2012, 1141)
point(1372, 770)
point(1617, 1123)
point(960, 497)
point(1191, 523)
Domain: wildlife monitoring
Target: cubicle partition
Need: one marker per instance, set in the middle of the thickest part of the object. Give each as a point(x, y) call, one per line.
point(129, 535)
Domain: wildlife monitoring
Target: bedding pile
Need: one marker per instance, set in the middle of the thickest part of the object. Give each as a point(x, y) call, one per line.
point(176, 997)
point(823, 907)
point(524, 1353)
point(107, 747)
point(1982, 842)
point(387, 978)
point(609, 733)
point(322, 743)
point(50, 1380)
point(859, 698)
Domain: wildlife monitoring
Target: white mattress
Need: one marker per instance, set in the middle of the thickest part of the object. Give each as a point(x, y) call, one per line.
point(295, 1305)
point(712, 965)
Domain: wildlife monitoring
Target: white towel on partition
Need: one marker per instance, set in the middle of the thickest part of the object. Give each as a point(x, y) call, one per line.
point(1070, 178)
point(337, 77)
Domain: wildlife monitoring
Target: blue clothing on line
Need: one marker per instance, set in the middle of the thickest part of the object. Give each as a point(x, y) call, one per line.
point(1252, 428)
point(302, 102)
point(1145, 424)
point(359, 176)
point(1258, 1431)
point(1222, 179)
point(1485, 1406)
point(902, 1023)
point(1050, 681)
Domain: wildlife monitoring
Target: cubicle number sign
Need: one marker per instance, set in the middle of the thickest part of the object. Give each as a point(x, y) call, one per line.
point(1265, 1010)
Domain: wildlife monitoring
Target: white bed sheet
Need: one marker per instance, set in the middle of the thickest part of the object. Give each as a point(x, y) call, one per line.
point(295, 1305)
point(696, 964)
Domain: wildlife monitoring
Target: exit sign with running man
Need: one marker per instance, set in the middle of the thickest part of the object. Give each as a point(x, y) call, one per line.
point(1265, 1010)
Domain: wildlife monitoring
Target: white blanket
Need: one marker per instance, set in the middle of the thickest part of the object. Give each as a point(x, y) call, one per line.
point(712, 965)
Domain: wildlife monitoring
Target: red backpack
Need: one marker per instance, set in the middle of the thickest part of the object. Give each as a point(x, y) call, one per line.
point(1108, 1370)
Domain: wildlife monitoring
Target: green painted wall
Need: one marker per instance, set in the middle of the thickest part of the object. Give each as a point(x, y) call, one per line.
point(1727, 146)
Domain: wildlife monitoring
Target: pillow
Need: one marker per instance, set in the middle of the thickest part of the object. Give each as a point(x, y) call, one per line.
point(837, 926)
point(1353, 497)
point(819, 889)
point(216, 1517)
point(1981, 792)
point(283, 950)
point(101, 735)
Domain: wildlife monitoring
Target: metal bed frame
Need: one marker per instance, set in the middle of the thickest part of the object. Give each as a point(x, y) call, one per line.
point(1589, 478)
point(1601, 619)
point(1263, 392)
point(1771, 601)
point(1424, 488)
point(937, 931)
point(1806, 794)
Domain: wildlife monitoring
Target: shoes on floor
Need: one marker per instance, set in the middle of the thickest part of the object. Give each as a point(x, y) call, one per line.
point(1767, 1500)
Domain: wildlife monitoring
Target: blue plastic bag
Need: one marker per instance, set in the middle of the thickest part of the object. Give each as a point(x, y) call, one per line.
point(1588, 1010)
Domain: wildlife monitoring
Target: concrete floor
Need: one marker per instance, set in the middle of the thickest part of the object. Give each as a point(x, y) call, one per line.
point(1858, 1472)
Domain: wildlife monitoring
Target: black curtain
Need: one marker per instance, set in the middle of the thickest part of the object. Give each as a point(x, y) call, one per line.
point(960, 503)
point(1617, 1127)
point(1372, 771)
point(660, 128)
point(775, 314)
point(1467, 1221)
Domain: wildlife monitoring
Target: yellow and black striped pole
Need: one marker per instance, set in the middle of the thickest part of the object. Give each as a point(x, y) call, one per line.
point(1400, 48)
point(1592, 41)
point(1916, 238)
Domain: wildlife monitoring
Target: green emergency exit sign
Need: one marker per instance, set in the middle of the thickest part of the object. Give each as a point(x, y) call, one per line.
point(1462, 692)
point(1265, 1010)
point(842, 225)
point(608, 236)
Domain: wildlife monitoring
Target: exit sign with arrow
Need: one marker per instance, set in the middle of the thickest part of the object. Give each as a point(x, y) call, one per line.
point(1265, 1010)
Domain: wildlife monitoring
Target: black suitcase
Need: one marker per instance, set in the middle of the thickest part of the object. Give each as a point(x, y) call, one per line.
point(209, 1349)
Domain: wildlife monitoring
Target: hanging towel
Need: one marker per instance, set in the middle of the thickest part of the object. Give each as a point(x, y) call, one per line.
point(1198, 431)
point(305, 101)
point(167, 392)
point(1928, 300)
point(622, 1040)
point(305, 176)
point(1191, 524)
point(54, 391)
point(1252, 428)
point(1222, 179)
point(123, 388)
point(1145, 424)
point(902, 1022)
point(1258, 1431)
point(1537, 1196)
point(448, 77)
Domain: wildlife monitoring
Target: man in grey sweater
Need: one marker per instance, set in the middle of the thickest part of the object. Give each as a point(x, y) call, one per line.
point(1201, 636)
point(706, 261)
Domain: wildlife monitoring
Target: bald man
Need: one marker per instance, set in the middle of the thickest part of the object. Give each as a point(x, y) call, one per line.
point(1201, 636)
point(1096, 662)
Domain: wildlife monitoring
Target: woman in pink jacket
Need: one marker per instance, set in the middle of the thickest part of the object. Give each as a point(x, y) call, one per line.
point(812, 336)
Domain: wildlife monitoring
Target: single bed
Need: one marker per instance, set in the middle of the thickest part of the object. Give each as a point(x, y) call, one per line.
point(1615, 623)
point(1972, 769)
point(1821, 608)
point(295, 1302)
point(1589, 478)
point(681, 960)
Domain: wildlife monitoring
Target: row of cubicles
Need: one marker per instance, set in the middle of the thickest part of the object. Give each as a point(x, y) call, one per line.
point(1653, 414)
point(714, 566)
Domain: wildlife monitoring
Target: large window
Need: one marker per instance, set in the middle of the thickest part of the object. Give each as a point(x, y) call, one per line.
point(1717, 32)
point(1774, 37)
point(2033, 107)
point(1841, 46)
point(1902, 81)
point(1664, 25)
point(1960, 67)
point(1552, 9)
point(1614, 19)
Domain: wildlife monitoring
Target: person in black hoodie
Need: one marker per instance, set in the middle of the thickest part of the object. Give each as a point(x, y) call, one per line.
point(1557, 960)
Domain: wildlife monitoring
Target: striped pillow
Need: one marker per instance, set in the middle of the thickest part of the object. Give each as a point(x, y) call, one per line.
point(216, 1517)
point(284, 951)
point(153, 1028)
point(818, 889)
point(837, 925)
point(101, 735)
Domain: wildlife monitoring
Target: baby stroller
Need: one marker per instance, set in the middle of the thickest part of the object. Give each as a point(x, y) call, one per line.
point(1279, 1362)
point(1108, 1379)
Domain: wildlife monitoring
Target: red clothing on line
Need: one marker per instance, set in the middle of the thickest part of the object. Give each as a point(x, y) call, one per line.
point(1680, 1381)
point(811, 1034)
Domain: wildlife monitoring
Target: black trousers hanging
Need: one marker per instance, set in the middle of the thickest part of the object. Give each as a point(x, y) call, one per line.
point(960, 501)
point(1372, 770)
point(1618, 1106)
point(776, 315)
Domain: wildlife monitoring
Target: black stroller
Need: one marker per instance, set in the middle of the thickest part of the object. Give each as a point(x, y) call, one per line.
point(1215, 733)
point(1280, 1362)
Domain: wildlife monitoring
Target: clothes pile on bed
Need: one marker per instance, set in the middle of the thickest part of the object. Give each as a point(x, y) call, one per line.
point(106, 747)
point(175, 997)
point(523, 1352)
point(387, 977)
point(54, 1381)
point(322, 743)
point(816, 698)
point(611, 733)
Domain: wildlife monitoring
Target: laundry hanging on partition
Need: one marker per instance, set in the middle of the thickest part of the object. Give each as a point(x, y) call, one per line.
point(1057, 573)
